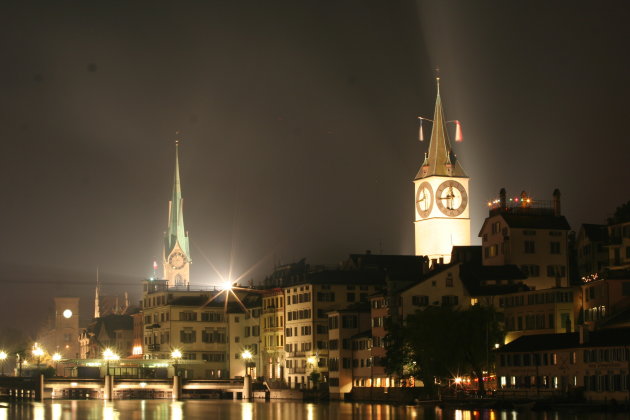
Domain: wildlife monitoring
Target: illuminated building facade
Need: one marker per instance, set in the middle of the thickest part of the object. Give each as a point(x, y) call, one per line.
point(343, 325)
point(530, 234)
point(273, 334)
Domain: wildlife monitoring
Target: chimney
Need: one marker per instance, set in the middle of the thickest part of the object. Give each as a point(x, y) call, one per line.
point(441, 260)
point(556, 202)
point(502, 199)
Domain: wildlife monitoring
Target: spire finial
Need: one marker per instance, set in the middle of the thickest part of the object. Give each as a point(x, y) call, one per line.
point(437, 79)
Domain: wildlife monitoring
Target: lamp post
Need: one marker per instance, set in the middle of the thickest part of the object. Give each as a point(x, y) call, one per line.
point(175, 355)
point(312, 360)
point(108, 354)
point(56, 358)
point(247, 356)
point(38, 353)
point(3, 358)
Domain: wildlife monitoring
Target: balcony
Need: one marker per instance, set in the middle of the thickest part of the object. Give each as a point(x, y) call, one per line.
point(297, 370)
point(296, 354)
point(153, 347)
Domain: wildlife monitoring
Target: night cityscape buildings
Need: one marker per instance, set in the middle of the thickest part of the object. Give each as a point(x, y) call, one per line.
point(328, 327)
point(559, 292)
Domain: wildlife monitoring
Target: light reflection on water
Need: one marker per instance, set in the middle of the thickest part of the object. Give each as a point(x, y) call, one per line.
point(289, 410)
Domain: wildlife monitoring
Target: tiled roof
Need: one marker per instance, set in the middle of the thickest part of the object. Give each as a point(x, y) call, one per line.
point(526, 221)
point(540, 342)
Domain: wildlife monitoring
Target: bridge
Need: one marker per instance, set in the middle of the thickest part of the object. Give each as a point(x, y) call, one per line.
point(109, 387)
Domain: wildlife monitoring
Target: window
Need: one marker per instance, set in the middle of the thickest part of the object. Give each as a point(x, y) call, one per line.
point(449, 300)
point(349, 321)
point(247, 331)
point(211, 316)
point(333, 344)
point(187, 316)
point(554, 247)
point(350, 297)
point(213, 336)
point(333, 322)
point(256, 330)
point(214, 356)
point(529, 247)
point(423, 300)
point(625, 288)
point(306, 330)
point(326, 296)
point(449, 280)
point(187, 336)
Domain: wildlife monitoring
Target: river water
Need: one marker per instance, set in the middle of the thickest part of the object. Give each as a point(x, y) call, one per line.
point(281, 410)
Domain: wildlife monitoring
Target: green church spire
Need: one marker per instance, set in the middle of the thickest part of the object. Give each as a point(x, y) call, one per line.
point(176, 232)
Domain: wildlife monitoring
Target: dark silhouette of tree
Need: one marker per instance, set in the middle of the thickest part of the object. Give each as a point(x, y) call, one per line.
point(443, 342)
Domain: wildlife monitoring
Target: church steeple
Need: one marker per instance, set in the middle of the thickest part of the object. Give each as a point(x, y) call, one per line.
point(442, 217)
point(176, 248)
point(97, 300)
point(176, 232)
point(441, 160)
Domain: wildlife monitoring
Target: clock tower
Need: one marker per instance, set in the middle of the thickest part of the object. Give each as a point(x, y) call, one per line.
point(441, 195)
point(176, 248)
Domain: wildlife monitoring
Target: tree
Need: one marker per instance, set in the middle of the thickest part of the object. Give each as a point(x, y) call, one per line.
point(446, 342)
point(399, 359)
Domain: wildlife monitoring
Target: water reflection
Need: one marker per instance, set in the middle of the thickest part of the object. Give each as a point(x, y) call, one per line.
point(290, 410)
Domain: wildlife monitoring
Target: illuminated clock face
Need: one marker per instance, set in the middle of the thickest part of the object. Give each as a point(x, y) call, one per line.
point(451, 198)
point(67, 313)
point(424, 200)
point(177, 260)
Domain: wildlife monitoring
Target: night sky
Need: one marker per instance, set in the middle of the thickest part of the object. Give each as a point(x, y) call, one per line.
point(298, 128)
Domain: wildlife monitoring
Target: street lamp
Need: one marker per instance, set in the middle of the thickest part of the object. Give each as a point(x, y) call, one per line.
point(56, 358)
point(108, 354)
point(38, 352)
point(175, 355)
point(247, 356)
point(3, 358)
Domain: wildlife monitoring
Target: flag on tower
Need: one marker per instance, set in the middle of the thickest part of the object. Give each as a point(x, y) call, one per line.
point(458, 131)
point(420, 133)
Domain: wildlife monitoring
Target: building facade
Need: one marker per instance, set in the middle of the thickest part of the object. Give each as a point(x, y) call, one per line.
point(530, 234)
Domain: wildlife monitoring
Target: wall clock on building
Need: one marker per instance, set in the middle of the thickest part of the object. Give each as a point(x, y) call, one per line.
point(424, 200)
point(177, 260)
point(451, 198)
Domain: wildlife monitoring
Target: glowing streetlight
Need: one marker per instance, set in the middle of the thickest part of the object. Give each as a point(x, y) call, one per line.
point(247, 356)
point(175, 355)
point(312, 360)
point(56, 358)
point(108, 354)
point(226, 285)
point(38, 352)
point(3, 358)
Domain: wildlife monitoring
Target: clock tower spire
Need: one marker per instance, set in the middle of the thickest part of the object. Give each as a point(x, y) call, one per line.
point(176, 248)
point(441, 195)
